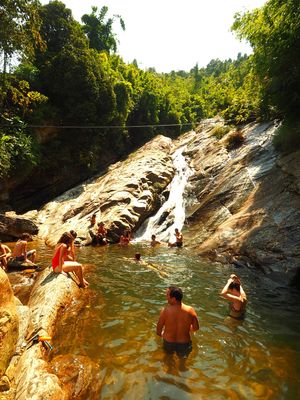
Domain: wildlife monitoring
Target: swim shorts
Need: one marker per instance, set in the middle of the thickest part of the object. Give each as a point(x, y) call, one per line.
point(22, 258)
point(181, 349)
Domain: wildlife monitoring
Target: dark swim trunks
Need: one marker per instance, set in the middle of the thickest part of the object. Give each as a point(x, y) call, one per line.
point(22, 258)
point(178, 244)
point(181, 349)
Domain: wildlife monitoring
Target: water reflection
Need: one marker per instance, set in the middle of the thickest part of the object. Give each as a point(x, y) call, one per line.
point(257, 358)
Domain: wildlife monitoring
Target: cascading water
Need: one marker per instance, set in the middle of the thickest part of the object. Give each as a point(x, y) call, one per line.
point(172, 213)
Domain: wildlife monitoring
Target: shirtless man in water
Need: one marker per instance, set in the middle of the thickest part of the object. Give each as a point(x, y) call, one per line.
point(175, 323)
point(179, 239)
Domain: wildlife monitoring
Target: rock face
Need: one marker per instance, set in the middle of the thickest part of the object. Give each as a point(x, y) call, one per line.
point(9, 322)
point(122, 198)
point(12, 226)
point(244, 204)
point(29, 369)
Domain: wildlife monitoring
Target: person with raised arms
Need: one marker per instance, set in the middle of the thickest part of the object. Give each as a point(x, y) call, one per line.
point(235, 294)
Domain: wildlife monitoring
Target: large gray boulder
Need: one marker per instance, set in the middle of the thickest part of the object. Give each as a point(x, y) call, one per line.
point(122, 198)
point(12, 226)
point(246, 201)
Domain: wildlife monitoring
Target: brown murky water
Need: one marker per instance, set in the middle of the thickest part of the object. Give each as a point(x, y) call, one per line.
point(258, 358)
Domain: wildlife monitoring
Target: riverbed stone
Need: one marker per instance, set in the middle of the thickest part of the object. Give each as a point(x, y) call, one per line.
point(78, 375)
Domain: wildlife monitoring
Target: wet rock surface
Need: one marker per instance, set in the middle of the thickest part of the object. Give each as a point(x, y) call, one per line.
point(28, 372)
point(244, 204)
point(78, 375)
point(9, 326)
point(122, 198)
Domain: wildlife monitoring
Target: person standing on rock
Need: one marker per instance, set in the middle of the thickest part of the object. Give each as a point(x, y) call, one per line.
point(59, 263)
point(5, 254)
point(175, 323)
point(20, 252)
point(234, 292)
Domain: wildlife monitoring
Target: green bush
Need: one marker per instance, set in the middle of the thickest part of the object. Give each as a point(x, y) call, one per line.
point(220, 130)
point(18, 151)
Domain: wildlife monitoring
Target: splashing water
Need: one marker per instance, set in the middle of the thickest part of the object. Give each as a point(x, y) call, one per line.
point(172, 213)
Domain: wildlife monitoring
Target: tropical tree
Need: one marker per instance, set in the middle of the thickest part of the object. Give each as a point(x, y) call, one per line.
point(274, 34)
point(99, 31)
point(19, 32)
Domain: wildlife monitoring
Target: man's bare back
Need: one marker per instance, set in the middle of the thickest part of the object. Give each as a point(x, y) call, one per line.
point(176, 320)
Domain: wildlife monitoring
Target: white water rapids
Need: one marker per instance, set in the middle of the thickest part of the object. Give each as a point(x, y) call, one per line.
point(172, 213)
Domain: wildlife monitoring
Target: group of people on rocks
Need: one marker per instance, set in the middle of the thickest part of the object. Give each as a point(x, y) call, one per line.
point(97, 235)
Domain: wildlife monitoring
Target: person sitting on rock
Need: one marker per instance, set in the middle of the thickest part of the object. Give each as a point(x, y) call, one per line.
point(101, 234)
point(179, 239)
point(234, 292)
point(71, 251)
point(59, 263)
point(91, 234)
point(20, 253)
point(5, 254)
point(154, 242)
point(125, 238)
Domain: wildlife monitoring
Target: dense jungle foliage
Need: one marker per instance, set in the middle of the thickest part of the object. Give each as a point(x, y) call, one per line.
point(97, 108)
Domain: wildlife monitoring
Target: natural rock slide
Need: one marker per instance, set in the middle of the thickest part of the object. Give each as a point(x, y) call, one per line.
point(242, 207)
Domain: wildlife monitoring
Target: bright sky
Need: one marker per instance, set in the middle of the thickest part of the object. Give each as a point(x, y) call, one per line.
point(171, 34)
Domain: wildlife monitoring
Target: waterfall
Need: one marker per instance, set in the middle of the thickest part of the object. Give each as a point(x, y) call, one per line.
point(172, 213)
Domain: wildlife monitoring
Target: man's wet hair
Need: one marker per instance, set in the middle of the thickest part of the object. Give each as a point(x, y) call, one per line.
point(138, 256)
point(175, 291)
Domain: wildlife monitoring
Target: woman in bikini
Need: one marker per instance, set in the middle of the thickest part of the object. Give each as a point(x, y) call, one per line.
point(59, 264)
point(234, 292)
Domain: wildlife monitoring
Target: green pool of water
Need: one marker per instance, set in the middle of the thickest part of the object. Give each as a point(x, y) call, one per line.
point(257, 358)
